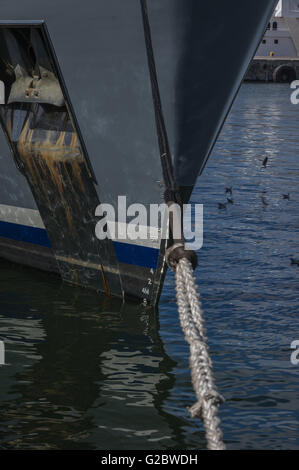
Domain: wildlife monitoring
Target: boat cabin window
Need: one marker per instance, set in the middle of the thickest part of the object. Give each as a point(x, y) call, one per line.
point(275, 25)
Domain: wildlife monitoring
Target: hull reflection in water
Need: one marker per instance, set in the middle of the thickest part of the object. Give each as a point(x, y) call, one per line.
point(84, 372)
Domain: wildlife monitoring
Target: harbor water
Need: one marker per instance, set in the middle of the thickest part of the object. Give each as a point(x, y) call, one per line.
point(85, 372)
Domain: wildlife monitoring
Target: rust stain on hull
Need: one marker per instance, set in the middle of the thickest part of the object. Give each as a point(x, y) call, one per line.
point(56, 169)
point(50, 162)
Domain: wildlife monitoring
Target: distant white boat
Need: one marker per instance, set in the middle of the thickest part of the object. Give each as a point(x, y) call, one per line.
point(282, 34)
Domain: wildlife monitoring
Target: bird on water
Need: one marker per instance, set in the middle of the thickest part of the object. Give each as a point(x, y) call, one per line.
point(264, 202)
point(294, 261)
point(265, 161)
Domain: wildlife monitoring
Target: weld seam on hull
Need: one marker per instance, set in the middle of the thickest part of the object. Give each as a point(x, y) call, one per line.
point(86, 264)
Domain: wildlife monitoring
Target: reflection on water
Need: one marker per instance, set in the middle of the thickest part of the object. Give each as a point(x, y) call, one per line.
point(83, 372)
point(87, 373)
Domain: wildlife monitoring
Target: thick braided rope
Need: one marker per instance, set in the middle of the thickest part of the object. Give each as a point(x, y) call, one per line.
point(192, 322)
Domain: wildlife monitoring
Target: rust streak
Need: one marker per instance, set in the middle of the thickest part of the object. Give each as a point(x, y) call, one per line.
point(105, 282)
point(44, 158)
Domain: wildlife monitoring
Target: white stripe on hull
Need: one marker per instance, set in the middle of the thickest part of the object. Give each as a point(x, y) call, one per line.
point(21, 216)
point(32, 218)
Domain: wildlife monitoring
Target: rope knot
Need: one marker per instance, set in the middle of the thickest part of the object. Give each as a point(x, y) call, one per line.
point(177, 252)
point(211, 398)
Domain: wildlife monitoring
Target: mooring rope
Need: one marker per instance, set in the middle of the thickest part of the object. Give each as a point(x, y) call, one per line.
point(183, 262)
point(192, 322)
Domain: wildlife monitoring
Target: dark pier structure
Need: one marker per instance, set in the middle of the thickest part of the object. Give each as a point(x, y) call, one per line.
point(273, 69)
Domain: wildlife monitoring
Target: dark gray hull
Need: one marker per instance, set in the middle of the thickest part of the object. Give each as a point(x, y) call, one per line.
point(96, 51)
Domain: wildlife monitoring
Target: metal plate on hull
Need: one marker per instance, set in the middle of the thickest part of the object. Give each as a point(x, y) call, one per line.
point(48, 152)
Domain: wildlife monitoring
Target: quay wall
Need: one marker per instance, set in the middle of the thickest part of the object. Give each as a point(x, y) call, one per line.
point(273, 69)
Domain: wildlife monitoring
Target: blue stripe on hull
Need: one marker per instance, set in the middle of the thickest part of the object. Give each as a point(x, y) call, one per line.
point(125, 252)
point(137, 255)
point(23, 233)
